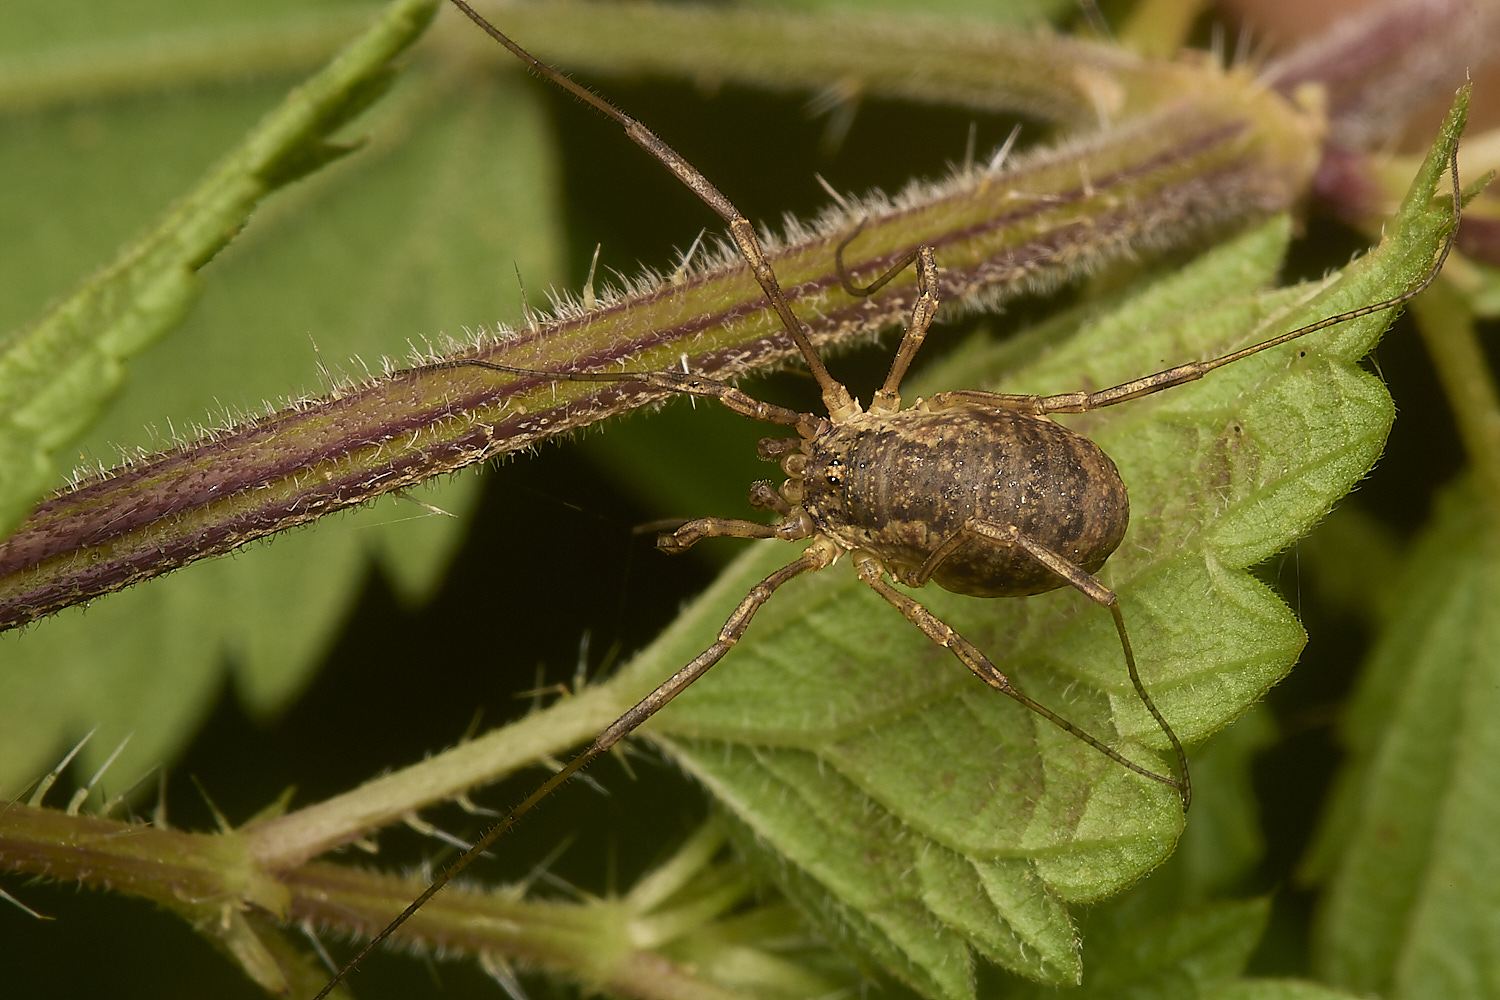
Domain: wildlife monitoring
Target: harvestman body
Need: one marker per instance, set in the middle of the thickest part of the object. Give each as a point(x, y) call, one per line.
point(981, 493)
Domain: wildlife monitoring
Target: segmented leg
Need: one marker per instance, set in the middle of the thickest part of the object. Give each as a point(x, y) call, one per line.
point(765, 496)
point(970, 656)
point(835, 397)
point(1090, 587)
point(846, 280)
point(816, 556)
point(888, 396)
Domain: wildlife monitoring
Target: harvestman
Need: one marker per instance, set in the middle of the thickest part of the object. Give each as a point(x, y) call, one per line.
point(1043, 507)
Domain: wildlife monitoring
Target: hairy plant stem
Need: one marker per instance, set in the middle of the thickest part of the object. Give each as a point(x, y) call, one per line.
point(214, 881)
point(1235, 153)
point(295, 837)
point(1445, 321)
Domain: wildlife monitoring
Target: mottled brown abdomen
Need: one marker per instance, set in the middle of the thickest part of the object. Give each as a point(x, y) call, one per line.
point(900, 484)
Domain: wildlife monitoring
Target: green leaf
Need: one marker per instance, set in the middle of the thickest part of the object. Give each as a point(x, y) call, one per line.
point(1017, 11)
point(57, 372)
point(1276, 989)
point(1219, 848)
point(836, 726)
point(1407, 844)
point(1354, 561)
point(415, 232)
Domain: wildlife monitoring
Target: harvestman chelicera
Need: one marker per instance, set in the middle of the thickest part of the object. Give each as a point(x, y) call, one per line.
point(1037, 506)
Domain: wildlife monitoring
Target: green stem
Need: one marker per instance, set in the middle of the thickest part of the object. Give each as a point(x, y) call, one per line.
point(211, 878)
point(1446, 323)
point(114, 68)
point(290, 839)
point(58, 371)
point(977, 64)
point(285, 841)
point(594, 941)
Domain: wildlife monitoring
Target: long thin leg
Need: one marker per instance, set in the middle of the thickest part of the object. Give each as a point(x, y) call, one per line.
point(888, 398)
point(846, 280)
point(872, 573)
point(1078, 402)
point(835, 397)
point(1086, 584)
point(815, 557)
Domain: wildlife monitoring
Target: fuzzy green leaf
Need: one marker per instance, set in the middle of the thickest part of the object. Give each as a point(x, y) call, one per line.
point(1223, 841)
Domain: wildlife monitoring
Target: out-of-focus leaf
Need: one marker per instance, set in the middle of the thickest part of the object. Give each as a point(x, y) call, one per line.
point(1184, 955)
point(1407, 847)
point(1354, 561)
point(1275, 989)
point(1222, 842)
point(414, 234)
point(1016, 11)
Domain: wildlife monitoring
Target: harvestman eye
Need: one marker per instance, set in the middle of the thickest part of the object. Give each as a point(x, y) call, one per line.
point(871, 483)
